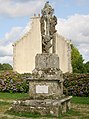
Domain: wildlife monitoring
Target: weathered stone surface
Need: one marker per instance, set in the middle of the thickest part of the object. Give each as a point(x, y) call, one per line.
point(44, 107)
point(44, 61)
point(55, 89)
point(48, 22)
point(47, 74)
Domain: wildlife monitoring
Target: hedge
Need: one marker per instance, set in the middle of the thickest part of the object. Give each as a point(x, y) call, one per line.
point(76, 84)
point(13, 82)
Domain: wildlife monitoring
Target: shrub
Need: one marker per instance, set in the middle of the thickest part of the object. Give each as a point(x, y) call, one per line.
point(77, 84)
point(13, 82)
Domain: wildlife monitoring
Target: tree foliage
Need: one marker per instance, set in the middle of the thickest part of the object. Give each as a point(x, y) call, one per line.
point(1, 67)
point(87, 67)
point(5, 66)
point(77, 61)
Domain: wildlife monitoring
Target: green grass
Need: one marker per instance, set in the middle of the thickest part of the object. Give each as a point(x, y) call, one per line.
point(72, 112)
point(12, 96)
point(80, 100)
point(22, 114)
point(4, 103)
point(27, 114)
point(80, 109)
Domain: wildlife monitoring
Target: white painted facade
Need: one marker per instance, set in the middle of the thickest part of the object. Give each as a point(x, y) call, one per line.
point(26, 48)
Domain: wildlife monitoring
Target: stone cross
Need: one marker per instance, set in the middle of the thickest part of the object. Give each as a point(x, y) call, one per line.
point(48, 22)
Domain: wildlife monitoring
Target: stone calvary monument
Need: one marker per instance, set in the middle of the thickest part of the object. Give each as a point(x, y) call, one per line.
point(46, 83)
point(48, 23)
point(41, 37)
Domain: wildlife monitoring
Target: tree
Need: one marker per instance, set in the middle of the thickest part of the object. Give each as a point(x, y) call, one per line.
point(1, 67)
point(7, 66)
point(77, 60)
point(87, 67)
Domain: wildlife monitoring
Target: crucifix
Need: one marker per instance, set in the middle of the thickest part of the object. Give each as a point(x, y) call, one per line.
point(48, 22)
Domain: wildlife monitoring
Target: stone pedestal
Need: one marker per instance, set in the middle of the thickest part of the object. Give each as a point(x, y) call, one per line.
point(46, 61)
point(45, 88)
point(47, 79)
point(43, 107)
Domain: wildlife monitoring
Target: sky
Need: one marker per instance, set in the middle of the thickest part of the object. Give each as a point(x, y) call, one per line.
point(15, 19)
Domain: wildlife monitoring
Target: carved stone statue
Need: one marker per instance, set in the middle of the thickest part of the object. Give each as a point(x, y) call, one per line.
point(48, 22)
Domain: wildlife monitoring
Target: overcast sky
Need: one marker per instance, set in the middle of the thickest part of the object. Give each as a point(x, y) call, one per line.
point(73, 23)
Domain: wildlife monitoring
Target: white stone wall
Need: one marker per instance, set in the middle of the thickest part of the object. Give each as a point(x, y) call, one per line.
point(63, 49)
point(26, 48)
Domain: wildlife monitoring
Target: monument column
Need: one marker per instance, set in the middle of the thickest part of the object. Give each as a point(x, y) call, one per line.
point(46, 82)
point(48, 22)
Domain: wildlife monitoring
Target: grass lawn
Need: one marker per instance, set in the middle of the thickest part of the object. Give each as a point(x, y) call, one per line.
point(79, 110)
point(12, 96)
point(80, 100)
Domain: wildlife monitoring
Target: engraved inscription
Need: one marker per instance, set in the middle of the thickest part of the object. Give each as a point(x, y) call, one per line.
point(41, 89)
